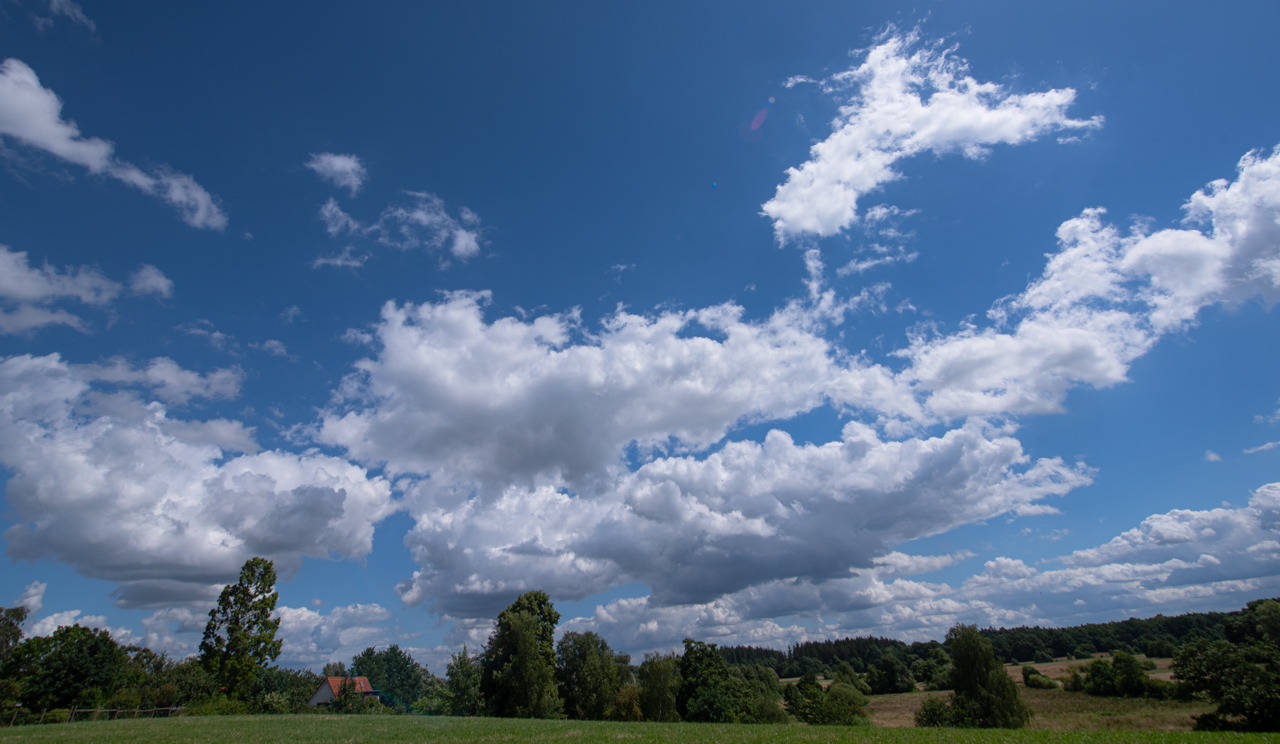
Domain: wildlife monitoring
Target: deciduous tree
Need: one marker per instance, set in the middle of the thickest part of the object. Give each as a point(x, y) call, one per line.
point(240, 637)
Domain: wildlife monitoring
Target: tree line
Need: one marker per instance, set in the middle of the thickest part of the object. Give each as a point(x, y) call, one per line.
point(524, 671)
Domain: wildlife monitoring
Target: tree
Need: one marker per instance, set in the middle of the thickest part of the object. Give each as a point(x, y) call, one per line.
point(626, 705)
point(335, 669)
point(71, 663)
point(588, 675)
point(392, 672)
point(240, 638)
point(985, 697)
point(1244, 680)
point(519, 662)
point(659, 682)
point(462, 677)
point(891, 677)
point(11, 620)
point(708, 692)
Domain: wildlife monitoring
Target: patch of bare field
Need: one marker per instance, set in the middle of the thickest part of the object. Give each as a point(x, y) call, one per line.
point(1057, 710)
point(1060, 668)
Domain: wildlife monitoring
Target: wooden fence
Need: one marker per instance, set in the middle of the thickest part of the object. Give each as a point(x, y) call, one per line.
point(91, 714)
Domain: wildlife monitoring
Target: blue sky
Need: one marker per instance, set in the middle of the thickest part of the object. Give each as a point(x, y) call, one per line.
point(743, 322)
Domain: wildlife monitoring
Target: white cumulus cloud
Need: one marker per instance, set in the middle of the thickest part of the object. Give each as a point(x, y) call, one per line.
point(107, 481)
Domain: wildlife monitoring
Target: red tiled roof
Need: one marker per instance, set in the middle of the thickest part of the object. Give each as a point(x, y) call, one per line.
point(362, 684)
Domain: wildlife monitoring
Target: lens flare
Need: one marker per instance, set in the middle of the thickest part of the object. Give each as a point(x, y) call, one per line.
point(761, 115)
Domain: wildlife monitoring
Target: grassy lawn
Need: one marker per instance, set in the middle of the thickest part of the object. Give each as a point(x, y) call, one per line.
point(315, 728)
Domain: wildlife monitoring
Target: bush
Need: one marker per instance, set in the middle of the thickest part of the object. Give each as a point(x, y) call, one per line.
point(1036, 681)
point(218, 705)
point(933, 712)
point(1073, 681)
point(1042, 657)
point(275, 702)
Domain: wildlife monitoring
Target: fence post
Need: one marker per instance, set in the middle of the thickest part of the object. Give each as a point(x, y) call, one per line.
point(72, 717)
point(46, 710)
point(15, 716)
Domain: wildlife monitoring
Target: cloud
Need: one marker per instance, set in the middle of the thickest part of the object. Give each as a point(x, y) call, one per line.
point(72, 10)
point(343, 171)
point(1211, 456)
point(536, 453)
point(1179, 561)
point(205, 329)
point(904, 99)
point(150, 280)
point(27, 293)
point(32, 115)
point(105, 480)
point(25, 290)
point(32, 597)
point(1105, 299)
point(523, 436)
point(424, 223)
point(312, 639)
point(273, 347)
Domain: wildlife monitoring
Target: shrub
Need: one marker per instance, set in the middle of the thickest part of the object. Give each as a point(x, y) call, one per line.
point(1073, 681)
point(626, 705)
point(1036, 681)
point(1042, 657)
point(933, 712)
point(218, 705)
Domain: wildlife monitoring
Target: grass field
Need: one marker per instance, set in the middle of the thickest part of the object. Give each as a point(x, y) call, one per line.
point(1055, 710)
point(315, 728)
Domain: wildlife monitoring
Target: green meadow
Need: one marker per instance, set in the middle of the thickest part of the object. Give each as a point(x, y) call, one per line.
point(320, 728)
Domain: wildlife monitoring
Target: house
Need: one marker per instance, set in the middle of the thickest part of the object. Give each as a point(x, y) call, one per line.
point(330, 686)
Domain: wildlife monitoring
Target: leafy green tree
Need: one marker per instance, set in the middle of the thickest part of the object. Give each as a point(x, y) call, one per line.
point(708, 692)
point(521, 677)
point(11, 620)
point(392, 672)
point(277, 690)
point(335, 669)
point(1100, 679)
point(348, 698)
point(72, 662)
point(626, 705)
point(1131, 680)
point(519, 663)
point(891, 677)
point(462, 683)
point(435, 698)
point(240, 637)
point(659, 682)
point(1244, 680)
point(588, 675)
point(985, 697)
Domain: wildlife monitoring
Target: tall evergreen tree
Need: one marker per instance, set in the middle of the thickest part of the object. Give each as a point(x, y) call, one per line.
point(240, 637)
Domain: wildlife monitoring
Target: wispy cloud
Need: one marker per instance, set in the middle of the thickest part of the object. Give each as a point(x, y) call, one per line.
point(32, 114)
